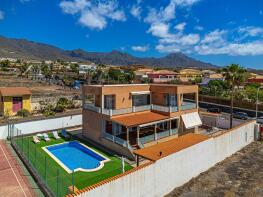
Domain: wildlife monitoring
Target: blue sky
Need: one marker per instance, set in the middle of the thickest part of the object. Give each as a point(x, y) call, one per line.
point(215, 31)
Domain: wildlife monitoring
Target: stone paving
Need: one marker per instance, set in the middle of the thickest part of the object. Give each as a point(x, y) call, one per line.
point(240, 175)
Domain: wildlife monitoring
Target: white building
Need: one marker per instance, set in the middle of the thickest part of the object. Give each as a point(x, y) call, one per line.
point(84, 68)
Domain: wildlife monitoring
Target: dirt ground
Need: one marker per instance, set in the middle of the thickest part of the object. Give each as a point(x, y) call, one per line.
point(37, 88)
point(240, 175)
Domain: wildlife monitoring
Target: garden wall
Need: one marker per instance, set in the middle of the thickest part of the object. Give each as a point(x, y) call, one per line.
point(162, 176)
point(43, 125)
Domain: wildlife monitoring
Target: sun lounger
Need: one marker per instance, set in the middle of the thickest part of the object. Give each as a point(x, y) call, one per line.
point(64, 133)
point(35, 139)
point(55, 134)
point(46, 138)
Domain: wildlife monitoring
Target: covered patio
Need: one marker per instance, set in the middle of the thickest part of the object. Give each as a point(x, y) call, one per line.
point(141, 128)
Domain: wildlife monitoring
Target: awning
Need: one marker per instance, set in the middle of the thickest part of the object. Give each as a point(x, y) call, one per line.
point(141, 118)
point(140, 92)
point(191, 120)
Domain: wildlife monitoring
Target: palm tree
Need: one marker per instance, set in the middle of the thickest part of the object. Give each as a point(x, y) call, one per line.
point(235, 76)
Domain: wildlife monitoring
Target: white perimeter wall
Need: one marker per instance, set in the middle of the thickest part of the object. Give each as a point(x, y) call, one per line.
point(177, 169)
point(43, 125)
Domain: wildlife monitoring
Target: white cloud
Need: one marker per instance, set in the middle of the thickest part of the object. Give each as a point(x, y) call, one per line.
point(94, 14)
point(215, 36)
point(185, 2)
point(251, 31)
point(140, 48)
point(199, 28)
point(136, 11)
point(234, 49)
point(168, 48)
point(180, 26)
point(2, 15)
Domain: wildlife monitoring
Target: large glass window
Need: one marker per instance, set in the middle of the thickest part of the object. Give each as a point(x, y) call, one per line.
point(109, 101)
point(140, 100)
point(171, 100)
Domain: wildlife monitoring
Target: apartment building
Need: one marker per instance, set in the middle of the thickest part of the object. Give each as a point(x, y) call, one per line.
point(128, 117)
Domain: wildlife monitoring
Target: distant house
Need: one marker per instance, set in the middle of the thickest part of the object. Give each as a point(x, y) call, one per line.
point(84, 68)
point(216, 76)
point(13, 99)
point(162, 76)
point(255, 78)
point(189, 74)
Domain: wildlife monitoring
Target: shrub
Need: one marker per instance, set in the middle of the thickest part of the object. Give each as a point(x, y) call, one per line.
point(23, 113)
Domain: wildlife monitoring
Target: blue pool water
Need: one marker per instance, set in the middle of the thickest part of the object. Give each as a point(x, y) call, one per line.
point(74, 155)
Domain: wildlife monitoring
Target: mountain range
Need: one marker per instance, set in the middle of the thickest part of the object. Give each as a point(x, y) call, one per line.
point(24, 49)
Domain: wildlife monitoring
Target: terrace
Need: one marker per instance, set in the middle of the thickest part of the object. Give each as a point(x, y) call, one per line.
point(140, 129)
point(52, 175)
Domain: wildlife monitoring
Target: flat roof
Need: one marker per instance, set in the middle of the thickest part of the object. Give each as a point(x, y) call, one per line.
point(14, 91)
point(163, 149)
point(135, 119)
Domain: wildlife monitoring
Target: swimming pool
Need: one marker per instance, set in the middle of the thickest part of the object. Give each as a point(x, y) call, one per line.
point(76, 156)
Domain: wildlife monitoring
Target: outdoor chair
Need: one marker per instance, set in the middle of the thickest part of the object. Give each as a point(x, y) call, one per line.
point(64, 133)
point(35, 139)
point(55, 135)
point(46, 138)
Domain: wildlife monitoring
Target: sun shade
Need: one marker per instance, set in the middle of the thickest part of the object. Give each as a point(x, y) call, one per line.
point(136, 119)
point(191, 120)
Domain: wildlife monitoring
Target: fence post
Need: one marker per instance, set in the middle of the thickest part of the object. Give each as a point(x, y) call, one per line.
point(45, 169)
point(36, 156)
point(22, 144)
point(73, 187)
point(28, 149)
point(57, 182)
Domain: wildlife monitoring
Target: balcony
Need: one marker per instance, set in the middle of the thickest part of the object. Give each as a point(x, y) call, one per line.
point(165, 108)
point(188, 105)
point(112, 112)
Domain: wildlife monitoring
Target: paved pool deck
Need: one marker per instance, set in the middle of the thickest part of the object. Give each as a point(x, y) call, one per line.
point(12, 179)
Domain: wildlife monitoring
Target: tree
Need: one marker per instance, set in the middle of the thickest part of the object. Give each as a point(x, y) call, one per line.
point(35, 70)
point(23, 68)
point(47, 72)
point(235, 76)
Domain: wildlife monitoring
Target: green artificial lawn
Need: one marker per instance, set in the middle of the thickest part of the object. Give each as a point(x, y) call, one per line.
point(55, 176)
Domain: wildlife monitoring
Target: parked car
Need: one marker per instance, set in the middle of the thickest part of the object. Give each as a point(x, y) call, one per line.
point(214, 110)
point(260, 120)
point(240, 115)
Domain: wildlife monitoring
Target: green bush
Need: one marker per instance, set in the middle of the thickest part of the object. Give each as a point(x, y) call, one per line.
point(23, 113)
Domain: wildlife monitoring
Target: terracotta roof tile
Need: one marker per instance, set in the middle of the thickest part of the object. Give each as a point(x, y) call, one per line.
point(14, 91)
point(164, 149)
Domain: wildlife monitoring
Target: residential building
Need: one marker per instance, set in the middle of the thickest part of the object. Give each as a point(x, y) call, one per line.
point(85, 68)
point(131, 116)
point(216, 76)
point(162, 76)
point(13, 99)
point(189, 74)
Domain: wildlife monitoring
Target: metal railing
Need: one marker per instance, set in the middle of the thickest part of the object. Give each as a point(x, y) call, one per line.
point(163, 134)
point(92, 107)
point(174, 131)
point(141, 108)
point(165, 108)
point(148, 138)
point(188, 105)
point(115, 139)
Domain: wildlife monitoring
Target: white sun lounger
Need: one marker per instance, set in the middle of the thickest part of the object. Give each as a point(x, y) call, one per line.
point(46, 138)
point(35, 139)
point(55, 134)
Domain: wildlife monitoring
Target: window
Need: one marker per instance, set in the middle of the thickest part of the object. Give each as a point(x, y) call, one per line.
point(171, 100)
point(109, 101)
point(140, 100)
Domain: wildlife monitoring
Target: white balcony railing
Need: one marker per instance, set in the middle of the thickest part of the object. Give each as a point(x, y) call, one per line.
point(165, 108)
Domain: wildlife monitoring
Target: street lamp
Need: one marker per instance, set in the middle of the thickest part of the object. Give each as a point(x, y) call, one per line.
point(261, 87)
